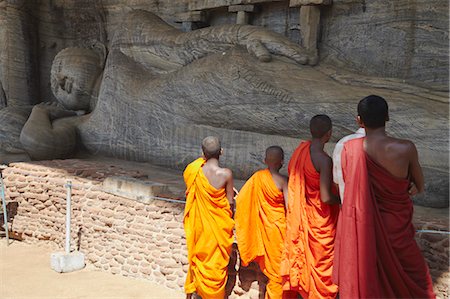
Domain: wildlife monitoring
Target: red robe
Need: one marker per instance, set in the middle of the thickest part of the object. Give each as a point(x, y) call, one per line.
point(376, 255)
point(307, 262)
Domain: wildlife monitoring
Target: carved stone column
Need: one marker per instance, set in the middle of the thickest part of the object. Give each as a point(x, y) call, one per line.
point(310, 22)
point(243, 13)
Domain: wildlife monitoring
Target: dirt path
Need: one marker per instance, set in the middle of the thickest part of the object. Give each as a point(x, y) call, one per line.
point(25, 273)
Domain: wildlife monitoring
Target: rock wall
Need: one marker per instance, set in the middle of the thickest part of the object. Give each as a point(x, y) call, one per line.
point(399, 39)
point(404, 39)
point(136, 239)
point(19, 54)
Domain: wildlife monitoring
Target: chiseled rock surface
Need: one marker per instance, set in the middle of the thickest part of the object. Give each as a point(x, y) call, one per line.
point(12, 119)
point(131, 238)
point(250, 105)
point(396, 39)
point(400, 39)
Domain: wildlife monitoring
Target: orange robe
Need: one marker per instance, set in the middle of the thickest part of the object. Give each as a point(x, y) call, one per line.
point(260, 227)
point(311, 224)
point(209, 226)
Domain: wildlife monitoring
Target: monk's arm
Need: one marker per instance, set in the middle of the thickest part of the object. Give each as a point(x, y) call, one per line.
point(229, 188)
point(326, 181)
point(415, 171)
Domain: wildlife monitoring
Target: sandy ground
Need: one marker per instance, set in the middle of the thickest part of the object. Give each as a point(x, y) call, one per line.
point(25, 273)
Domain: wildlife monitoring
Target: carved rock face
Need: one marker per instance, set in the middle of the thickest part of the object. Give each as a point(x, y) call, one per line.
point(73, 77)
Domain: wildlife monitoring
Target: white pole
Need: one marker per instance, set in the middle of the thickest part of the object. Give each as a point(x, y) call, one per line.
point(68, 211)
point(5, 215)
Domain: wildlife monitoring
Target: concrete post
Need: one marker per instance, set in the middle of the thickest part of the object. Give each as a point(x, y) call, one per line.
point(68, 212)
point(63, 262)
point(5, 212)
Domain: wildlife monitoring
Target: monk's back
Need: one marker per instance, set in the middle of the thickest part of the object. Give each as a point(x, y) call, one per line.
point(391, 153)
point(217, 177)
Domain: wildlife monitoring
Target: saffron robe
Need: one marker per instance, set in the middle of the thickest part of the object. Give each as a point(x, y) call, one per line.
point(307, 262)
point(209, 226)
point(376, 254)
point(260, 227)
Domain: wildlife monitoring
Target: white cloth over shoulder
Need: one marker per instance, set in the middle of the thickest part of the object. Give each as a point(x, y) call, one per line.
point(337, 167)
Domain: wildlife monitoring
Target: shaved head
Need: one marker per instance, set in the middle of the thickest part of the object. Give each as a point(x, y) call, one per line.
point(373, 111)
point(211, 147)
point(320, 125)
point(274, 156)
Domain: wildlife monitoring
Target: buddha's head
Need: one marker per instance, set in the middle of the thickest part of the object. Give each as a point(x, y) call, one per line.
point(74, 77)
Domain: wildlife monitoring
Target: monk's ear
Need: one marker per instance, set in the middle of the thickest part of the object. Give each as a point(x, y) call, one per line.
point(221, 151)
point(359, 121)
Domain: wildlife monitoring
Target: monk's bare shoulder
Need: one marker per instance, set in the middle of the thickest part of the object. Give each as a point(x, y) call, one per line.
point(285, 179)
point(321, 161)
point(401, 147)
point(225, 173)
point(279, 180)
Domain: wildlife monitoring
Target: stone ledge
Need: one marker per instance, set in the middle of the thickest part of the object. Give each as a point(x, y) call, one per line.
point(297, 3)
point(210, 4)
point(132, 188)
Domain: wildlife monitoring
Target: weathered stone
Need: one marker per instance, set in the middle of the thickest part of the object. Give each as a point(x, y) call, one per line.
point(296, 3)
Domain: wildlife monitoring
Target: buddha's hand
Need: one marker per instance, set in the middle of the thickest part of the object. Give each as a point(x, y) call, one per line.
point(264, 43)
point(54, 110)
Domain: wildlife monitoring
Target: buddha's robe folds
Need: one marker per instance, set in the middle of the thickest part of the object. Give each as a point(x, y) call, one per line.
point(209, 226)
point(376, 254)
point(260, 228)
point(307, 262)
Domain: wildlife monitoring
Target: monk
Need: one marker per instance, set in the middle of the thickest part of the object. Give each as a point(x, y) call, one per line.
point(376, 254)
point(261, 222)
point(208, 222)
point(311, 217)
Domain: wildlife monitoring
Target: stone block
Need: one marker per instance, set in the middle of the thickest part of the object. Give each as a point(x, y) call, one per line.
point(63, 263)
point(297, 3)
point(246, 8)
point(190, 16)
point(210, 4)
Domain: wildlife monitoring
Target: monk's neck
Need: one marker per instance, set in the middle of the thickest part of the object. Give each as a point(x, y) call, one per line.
point(212, 162)
point(274, 169)
point(378, 132)
point(317, 143)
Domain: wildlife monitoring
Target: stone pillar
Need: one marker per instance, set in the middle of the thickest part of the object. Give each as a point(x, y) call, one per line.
point(309, 24)
point(190, 20)
point(243, 13)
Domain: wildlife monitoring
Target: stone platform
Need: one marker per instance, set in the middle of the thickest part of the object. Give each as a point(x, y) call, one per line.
point(143, 237)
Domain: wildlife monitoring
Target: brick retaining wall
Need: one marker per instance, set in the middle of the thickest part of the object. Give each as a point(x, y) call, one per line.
point(129, 237)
